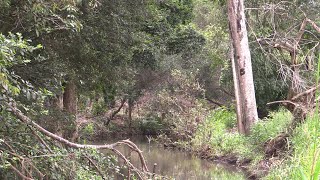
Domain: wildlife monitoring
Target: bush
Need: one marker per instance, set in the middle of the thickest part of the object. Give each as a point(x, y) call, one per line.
point(151, 126)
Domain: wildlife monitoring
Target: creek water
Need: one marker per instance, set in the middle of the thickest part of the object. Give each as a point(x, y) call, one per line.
point(177, 164)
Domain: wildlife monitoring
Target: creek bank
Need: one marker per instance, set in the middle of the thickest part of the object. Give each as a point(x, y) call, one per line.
point(251, 169)
point(178, 164)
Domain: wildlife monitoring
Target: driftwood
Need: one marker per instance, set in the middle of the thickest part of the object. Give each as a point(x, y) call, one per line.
point(140, 173)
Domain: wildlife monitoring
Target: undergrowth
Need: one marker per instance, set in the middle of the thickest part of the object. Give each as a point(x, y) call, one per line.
point(219, 132)
point(304, 162)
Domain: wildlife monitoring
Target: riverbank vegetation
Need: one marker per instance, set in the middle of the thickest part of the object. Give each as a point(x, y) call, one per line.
point(232, 85)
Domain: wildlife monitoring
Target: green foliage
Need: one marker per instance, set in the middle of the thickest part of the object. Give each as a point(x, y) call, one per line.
point(151, 126)
point(186, 41)
point(218, 132)
point(214, 133)
point(177, 12)
point(270, 127)
point(14, 51)
point(304, 163)
point(99, 108)
point(60, 163)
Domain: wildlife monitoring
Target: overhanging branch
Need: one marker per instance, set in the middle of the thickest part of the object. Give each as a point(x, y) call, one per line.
point(15, 111)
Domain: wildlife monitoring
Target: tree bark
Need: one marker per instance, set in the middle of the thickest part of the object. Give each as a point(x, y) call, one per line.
point(246, 101)
point(240, 117)
point(130, 107)
point(70, 98)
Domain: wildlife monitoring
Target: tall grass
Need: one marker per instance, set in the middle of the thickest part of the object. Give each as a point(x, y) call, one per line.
point(220, 134)
point(304, 162)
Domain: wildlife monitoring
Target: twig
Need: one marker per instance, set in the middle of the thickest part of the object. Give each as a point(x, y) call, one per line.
point(305, 92)
point(314, 25)
point(95, 166)
point(41, 140)
point(227, 92)
point(19, 173)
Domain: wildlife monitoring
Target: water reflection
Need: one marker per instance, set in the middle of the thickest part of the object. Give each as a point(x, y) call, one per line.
point(177, 164)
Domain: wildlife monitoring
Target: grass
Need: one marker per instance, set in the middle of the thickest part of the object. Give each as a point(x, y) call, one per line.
point(219, 132)
point(304, 162)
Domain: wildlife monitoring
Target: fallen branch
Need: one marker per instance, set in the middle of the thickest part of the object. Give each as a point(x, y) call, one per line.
point(20, 173)
point(314, 25)
point(284, 101)
point(305, 92)
point(111, 147)
point(214, 102)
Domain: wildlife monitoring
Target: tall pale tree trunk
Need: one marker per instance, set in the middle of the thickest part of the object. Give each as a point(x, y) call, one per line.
point(70, 97)
point(242, 68)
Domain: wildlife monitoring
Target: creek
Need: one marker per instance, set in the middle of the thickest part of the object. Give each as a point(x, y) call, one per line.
point(177, 164)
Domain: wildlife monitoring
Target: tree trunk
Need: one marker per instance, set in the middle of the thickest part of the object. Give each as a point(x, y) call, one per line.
point(235, 73)
point(70, 98)
point(246, 101)
point(130, 107)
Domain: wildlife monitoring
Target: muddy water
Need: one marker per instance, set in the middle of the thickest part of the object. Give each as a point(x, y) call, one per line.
point(179, 165)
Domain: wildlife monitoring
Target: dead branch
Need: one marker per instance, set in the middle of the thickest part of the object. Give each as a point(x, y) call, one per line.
point(95, 166)
point(305, 92)
point(20, 173)
point(110, 147)
point(284, 101)
point(314, 25)
point(135, 148)
point(214, 102)
point(279, 44)
point(41, 140)
point(127, 162)
point(301, 31)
